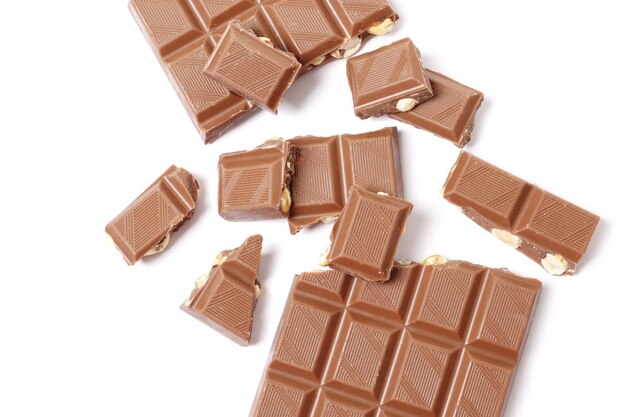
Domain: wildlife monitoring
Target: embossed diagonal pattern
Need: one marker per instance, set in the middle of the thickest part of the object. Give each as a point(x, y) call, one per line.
point(246, 186)
point(305, 22)
point(381, 70)
point(372, 164)
point(359, 9)
point(312, 183)
point(364, 241)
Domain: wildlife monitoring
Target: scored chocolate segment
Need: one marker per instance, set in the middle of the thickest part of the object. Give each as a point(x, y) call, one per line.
point(390, 79)
point(251, 68)
point(326, 168)
point(439, 340)
point(449, 113)
point(184, 32)
point(365, 239)
point(255, 184)
point(143, 228)
point(225, 297)
point(544, 227)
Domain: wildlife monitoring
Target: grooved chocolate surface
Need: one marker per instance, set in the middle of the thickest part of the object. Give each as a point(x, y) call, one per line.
point(381, 78)
point(449, 113)
point(160, 209)
point(251, 68)
point(544, 223)
point(365, 239)
point(183, 34)
point(326, 168)
point(252, 183)
point(225, 298)
point(440, 341)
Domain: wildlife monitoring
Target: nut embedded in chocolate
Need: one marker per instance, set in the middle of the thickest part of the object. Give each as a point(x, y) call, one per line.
point(144, 227)
point(449, 113)
point(365, 239)
point(544, 227)
point(256, 184)
point(225, 297)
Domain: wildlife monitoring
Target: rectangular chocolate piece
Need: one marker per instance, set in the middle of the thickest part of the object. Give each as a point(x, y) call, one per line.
point(225, 297)
point(255, 184)
point(183, 34)
point(449, 113)
point(365, 239)
point(440, 340)
point(390, 79)
point(544, 227)
point(327, 167)
point(143, 228)
point(251, 67)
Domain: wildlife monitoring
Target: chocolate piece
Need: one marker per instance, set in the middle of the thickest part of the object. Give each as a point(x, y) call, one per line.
point(449, 113)
point(144, 227)
point(183, 33)
point(326, 168)
point(255, 184)
point(432, 341)
point(544, 227)
point(251, 67)
point(225, 297)
point(390, 79)
point(365, 239)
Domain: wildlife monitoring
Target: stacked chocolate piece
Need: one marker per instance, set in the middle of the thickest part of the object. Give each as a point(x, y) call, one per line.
point(221, 73)
point(372, 335)
point(392, 81)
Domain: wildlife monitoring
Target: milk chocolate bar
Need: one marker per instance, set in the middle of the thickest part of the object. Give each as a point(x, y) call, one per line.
point(449, 113)
point(326, 168)
point(251, 67)
point(183, 34)
point(390, 79)
point(225, 297)
point(365, 239)
point(442, 340)
point(143, 228)
point(544, 227)
point(255, 184)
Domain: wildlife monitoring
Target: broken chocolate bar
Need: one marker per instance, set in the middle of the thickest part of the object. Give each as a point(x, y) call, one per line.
point(544, 227)
point(326, 168)
point(441, 340)
point(255, 184)
point(252, 67)
point(225, 297)
point(183, 34)
point(449, 113)
point(365, 239)
point(144, 227)
point(388, 80)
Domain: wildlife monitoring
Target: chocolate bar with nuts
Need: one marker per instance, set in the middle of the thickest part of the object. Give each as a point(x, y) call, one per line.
point(255, 184)
point(365, 239)
point(251, 67)
point(449, 113)
point(184, 33)
point(225, 297)
point(390, 79)
point(143, 228)
point(549, 230)
point(327, 167)
point(438, 340)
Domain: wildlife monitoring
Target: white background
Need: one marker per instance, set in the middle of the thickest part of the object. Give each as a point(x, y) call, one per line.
point(88, 120)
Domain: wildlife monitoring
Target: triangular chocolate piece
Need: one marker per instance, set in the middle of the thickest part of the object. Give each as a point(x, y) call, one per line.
point(225, 297)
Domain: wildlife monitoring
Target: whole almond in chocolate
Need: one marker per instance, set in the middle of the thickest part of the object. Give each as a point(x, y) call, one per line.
point(255, 184)
point(549, 230)
point(390, 79)
point(144, 227)
point(365, 239)
point(251, 67)
point(225, 297)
